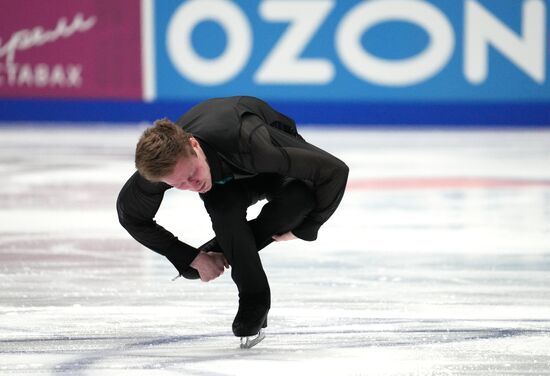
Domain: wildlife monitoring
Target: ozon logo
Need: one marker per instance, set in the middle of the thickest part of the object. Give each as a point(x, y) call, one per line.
point(284, 64)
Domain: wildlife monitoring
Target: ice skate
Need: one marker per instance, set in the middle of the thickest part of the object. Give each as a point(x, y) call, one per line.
point(248, 324)
point(249, 342)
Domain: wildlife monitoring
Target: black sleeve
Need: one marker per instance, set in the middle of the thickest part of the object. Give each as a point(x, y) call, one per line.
point(137, 205)
point(272, 150)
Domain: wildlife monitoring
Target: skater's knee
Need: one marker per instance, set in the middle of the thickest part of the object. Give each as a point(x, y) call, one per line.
point(300, 196)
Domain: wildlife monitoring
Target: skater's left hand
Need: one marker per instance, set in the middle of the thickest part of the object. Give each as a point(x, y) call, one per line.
point(209, 265)
point(283, 237)
point(220, 257)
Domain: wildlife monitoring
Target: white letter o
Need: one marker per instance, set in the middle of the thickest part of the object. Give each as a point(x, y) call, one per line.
point(395, 73)
point(180, 48)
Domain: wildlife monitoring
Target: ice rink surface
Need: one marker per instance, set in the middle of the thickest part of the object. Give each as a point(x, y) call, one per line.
point(436, 263)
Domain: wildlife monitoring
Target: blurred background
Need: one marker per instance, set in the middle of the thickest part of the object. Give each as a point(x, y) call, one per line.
point(437, 261)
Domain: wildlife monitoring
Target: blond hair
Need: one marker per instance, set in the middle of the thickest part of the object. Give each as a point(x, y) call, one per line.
point(159, 149)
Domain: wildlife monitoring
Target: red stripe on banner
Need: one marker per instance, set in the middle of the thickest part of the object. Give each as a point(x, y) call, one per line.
point(443, 183)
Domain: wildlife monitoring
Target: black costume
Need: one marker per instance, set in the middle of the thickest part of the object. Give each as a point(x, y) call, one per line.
point(253, 152)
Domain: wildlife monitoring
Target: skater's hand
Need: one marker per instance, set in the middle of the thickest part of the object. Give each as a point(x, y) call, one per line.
point(286, 236)
point(220, 258)
point(209, 265)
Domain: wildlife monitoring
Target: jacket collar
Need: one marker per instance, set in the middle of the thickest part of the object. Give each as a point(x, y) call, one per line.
point(218, 171)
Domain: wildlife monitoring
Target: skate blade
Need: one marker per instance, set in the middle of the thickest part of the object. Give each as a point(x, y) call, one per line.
point(247, 342)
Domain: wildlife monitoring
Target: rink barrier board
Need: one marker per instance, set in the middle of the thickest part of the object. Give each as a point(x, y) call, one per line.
point(124, 61)
point(465, 115)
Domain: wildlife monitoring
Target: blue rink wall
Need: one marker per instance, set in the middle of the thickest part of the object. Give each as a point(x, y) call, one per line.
point(417, 115)
point(385, 63)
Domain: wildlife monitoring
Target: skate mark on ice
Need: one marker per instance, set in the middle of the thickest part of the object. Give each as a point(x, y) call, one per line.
point(338, 339)
point(80, 365)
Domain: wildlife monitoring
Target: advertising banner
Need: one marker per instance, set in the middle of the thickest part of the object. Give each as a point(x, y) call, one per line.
point(70, 49)
point(423, 62)
point(360, 51)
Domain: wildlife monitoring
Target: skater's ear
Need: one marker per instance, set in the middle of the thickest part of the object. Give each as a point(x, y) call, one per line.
point(194, 143)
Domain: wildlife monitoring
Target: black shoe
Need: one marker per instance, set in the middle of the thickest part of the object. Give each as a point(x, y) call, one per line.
point(249, 320)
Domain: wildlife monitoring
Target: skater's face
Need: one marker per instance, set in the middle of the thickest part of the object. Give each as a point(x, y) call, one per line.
point(191, 173)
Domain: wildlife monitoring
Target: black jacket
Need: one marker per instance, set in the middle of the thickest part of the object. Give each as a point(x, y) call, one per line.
point(235, 151)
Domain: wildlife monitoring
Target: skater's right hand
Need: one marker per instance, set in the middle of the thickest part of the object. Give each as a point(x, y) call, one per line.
point(209, 265)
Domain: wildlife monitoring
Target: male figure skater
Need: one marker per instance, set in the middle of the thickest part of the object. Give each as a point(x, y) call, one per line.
point(232, 151)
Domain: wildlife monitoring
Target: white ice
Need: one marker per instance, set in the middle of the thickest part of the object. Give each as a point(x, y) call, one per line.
point(436, 263)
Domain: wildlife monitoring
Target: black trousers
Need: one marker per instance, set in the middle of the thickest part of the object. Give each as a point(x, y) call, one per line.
point(289, 202)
